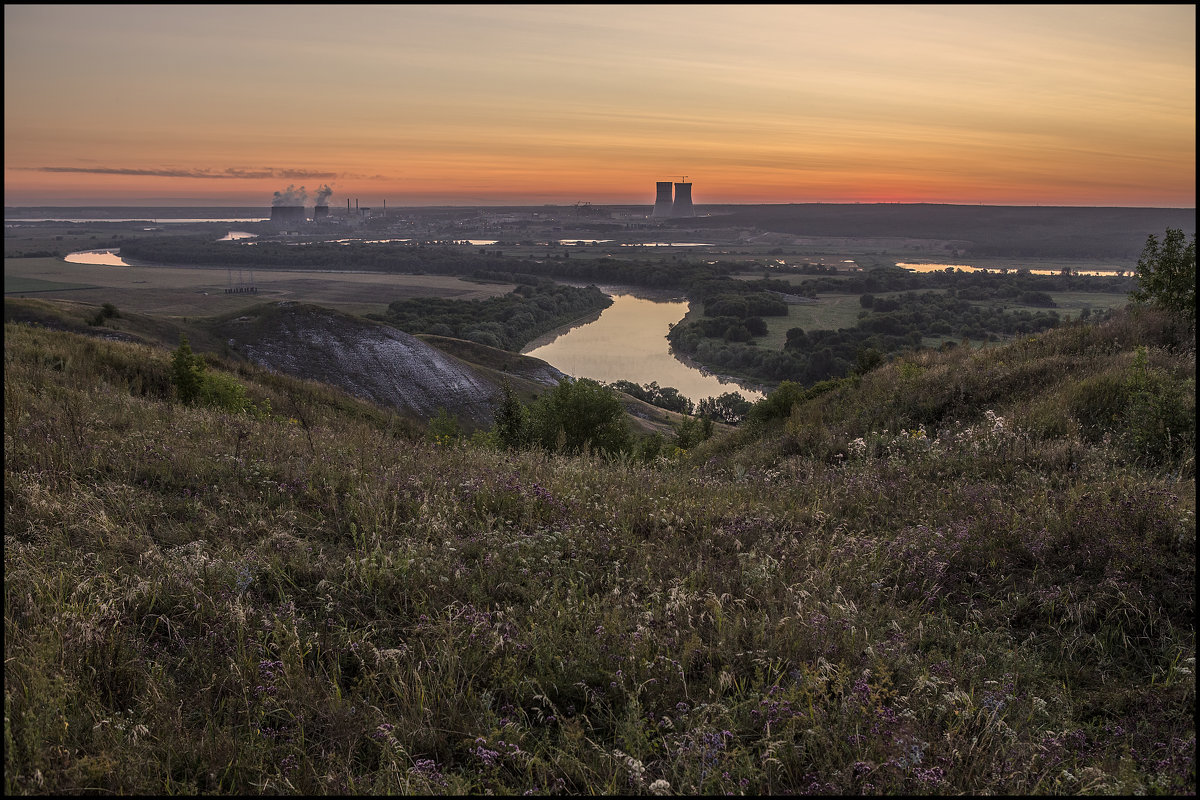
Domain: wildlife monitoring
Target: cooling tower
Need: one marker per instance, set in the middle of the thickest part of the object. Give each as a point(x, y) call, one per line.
point(320, 212)
point(662, 203)
point(683, 201)
point(287, 214)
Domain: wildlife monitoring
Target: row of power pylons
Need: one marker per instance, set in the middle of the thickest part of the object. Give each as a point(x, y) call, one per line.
point(668, 206)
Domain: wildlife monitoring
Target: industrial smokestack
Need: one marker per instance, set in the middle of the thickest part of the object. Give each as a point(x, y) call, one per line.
point(662, 202)
point(683, 201)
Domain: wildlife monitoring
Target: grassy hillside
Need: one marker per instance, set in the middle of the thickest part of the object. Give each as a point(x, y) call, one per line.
point(961, 573)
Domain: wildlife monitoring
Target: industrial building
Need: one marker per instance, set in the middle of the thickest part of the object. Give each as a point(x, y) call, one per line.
point(668, 207)
point(662, 202)
point(286, 214)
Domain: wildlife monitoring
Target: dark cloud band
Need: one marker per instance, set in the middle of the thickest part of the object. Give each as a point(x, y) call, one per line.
point(231, 173)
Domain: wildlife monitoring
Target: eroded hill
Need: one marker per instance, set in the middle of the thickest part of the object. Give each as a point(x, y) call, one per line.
point(366, 359)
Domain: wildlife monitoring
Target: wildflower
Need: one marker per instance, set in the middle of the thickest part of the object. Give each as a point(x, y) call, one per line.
point(427, 769)
point(660, 787)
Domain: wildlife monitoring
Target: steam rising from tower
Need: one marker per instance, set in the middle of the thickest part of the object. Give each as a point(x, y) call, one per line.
point(321, 209)
point(288, 205)
point(290, 196)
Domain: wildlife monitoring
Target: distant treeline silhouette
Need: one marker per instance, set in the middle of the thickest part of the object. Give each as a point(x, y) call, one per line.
point(1015, 231)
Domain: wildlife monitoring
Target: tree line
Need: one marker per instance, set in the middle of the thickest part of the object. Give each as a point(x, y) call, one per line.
point(508, 321)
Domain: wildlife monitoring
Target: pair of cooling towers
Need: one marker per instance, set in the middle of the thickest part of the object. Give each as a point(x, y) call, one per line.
point(680, 206)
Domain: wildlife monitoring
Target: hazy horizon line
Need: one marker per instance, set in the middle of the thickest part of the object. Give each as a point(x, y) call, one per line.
point(649, 205)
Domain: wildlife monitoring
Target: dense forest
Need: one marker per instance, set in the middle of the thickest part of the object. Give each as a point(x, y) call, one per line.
point(886, 326)
point(976, 285)
point(417, 259)
point(509, 321)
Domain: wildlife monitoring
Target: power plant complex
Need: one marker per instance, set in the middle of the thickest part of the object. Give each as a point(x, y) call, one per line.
point(673, 200)
point(667, 206)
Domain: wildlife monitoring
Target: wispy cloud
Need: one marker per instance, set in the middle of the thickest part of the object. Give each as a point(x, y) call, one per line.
point(230, 173)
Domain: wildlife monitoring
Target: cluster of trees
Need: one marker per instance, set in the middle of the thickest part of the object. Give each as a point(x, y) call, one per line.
point(947, 314)
point(585, 416)
point(667, 397)
point(730, 407)
point(968, 285)
point(509, 321)
point(575, 417)
point(886, 326)
point(417, 258)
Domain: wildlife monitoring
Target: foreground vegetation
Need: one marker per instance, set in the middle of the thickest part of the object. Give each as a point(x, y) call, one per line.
point(956, 573)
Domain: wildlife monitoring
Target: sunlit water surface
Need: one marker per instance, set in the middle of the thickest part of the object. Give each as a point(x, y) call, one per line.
point(629, 342)
point(1103, 273)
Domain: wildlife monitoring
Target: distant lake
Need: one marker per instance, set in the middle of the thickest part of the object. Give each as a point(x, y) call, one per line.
point(107, 258)
point(628, 341)
point(666, 244)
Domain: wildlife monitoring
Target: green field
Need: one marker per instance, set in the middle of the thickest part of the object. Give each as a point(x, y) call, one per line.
point(197, 291)
point(19, 286)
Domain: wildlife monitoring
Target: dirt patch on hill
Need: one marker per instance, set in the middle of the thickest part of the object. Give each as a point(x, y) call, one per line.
point(365, 359)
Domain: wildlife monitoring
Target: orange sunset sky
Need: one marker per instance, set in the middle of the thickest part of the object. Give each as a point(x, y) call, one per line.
point(519, 105)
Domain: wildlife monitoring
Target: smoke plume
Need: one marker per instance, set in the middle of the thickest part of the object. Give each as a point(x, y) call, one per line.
point(323, 195)
point(290, 197)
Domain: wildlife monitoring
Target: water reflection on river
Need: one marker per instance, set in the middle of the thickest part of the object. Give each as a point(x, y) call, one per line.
point(1098, 272)
point(629, 342)
point(106, 258)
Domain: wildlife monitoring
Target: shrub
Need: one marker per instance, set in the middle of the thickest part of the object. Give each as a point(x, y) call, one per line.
point(195, 384)
point(221, 391)
point(187, 372)
point(1161, 415)
point(443, 429)
point(578, 416)
point(511, 420)
point(777, 404)
point(692, 431)
point(1144, 410)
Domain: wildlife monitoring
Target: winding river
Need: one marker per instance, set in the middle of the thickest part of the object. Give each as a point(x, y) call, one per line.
point(627, 341)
